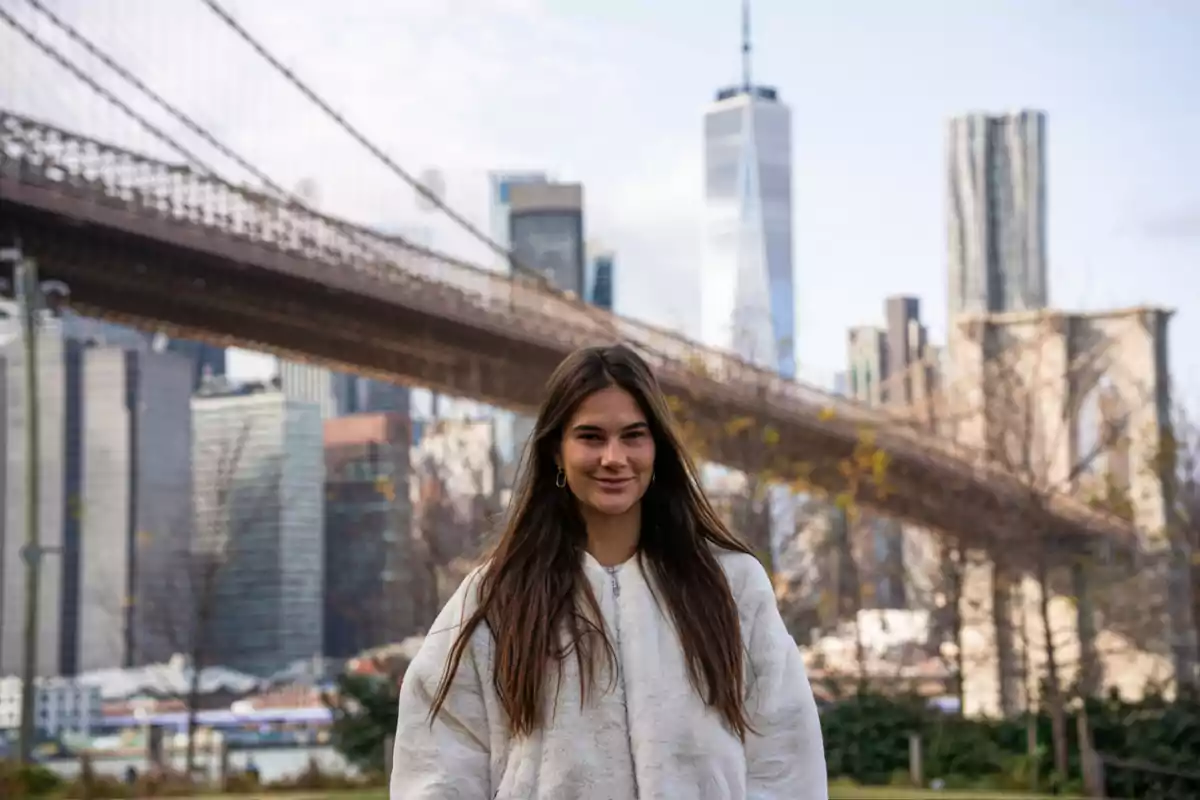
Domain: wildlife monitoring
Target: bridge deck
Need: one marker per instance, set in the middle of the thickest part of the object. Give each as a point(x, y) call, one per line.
point(156, 245)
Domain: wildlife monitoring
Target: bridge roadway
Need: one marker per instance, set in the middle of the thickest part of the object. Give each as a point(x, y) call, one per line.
point(159, 246)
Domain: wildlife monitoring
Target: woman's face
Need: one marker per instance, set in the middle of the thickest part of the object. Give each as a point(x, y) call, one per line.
point(607, 452)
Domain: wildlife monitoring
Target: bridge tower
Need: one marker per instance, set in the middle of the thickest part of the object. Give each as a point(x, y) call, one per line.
point(1076, 402)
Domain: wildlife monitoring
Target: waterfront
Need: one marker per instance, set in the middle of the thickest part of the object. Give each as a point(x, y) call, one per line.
point(274, 763)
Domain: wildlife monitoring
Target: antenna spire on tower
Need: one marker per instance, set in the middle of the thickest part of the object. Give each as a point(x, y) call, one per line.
point(746, 82)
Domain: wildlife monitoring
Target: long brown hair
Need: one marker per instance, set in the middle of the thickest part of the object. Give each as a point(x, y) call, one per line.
point(529, 587)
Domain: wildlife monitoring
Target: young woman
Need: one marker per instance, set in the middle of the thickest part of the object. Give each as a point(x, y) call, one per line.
point(619, 642)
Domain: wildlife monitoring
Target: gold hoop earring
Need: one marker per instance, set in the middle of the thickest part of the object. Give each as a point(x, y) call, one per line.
point(560, 480)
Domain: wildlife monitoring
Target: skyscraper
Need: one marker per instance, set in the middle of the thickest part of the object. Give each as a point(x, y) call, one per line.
point(309, 383)
point(545, 223)
point(115, 491)
point(545, 232)
point(996, 208)
point(601, 290)
point(867, 356)
point(747, 301)
point(135, 510)
point(374, 574)
point(501, 184)
point(208, 361)
point(889, 366)
point(259, 498)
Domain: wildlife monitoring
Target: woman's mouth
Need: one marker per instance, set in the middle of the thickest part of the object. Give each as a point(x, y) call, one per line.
point(613, 484)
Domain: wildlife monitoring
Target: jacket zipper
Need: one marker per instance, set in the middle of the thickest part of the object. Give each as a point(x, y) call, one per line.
point(616, 587)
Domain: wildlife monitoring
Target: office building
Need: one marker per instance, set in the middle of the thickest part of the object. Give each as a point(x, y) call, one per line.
point(259, 477)
point(337, 394)
point(912, 365)
point(60, 421)
point(96, 331)
point(996, 207)
point(135, 512)
point(894, 366)
point(309, 383)
point(61, 706)
point(355, 394)
point(499, 191)
point(113, 491)
point(747, 294)
point(601, 290)
point(867, 357)
point(546, 234)
point(373, 567)
point(841, 383)
point(208, 361)
point(545, 224)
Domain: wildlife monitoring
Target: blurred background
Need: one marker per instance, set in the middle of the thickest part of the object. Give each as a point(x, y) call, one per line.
point(282, 287)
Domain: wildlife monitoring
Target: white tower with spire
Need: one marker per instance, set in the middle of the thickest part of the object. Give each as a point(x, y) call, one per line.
point(747, 298)
point(746, 288)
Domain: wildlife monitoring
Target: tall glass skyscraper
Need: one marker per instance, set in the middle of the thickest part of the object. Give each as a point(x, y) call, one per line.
point(746, 289)
point(996, 207)
point(601, 290)
point(747, 296)
point(500, 202)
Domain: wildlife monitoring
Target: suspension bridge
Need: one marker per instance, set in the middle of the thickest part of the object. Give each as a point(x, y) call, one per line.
point(170, 245)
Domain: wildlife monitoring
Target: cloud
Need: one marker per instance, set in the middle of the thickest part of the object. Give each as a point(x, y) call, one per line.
point(463, 86)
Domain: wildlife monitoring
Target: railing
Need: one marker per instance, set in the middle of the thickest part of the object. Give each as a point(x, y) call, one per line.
point(1138, 780)
point(36, 152)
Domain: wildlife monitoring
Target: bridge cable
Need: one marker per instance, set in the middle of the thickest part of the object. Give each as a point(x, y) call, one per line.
point(158, 99)
point(158, 133)
point(195, 161)
point(184, 119)
point(596, 315)
point(69, 65)
point(370, 146)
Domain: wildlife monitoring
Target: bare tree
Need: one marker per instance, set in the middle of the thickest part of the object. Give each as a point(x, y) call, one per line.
point(1175, 465)
point(456, 502)
point(369, 515)
point(183, 601)
point(1183, 450)
point(1045, 410)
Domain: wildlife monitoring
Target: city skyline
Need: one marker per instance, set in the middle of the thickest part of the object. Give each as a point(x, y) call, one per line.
point(994, 223)
point(868, 159)
point(869, 197)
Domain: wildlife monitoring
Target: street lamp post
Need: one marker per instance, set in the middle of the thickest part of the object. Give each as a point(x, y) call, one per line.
point(32, 297)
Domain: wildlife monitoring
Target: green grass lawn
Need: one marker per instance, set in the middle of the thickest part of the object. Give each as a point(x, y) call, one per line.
point(887, 793)
point(836, 793)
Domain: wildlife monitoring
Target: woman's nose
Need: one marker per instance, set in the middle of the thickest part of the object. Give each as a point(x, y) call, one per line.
point(613, 453)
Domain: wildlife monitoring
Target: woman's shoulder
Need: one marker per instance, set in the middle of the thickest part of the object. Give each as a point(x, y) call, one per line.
point(461, 605)
point(466, 598)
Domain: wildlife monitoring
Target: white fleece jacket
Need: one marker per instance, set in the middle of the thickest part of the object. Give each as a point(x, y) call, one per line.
point(648, 738)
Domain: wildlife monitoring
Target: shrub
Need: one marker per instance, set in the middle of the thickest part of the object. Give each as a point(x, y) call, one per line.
point(20, 781)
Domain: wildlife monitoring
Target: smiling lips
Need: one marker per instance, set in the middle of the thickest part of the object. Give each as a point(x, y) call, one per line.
point(613, 484)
